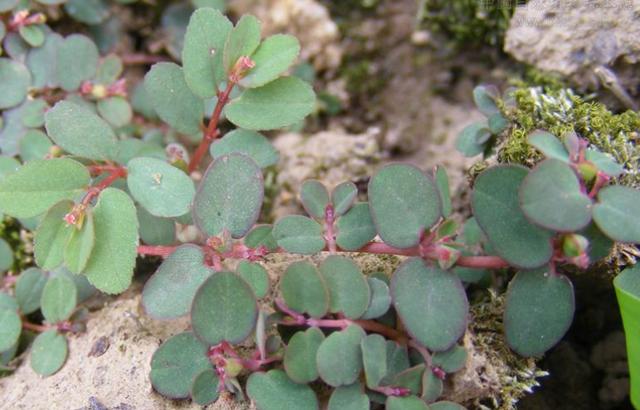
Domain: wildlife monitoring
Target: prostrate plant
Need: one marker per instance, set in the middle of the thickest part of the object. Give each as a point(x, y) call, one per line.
point(369, 338)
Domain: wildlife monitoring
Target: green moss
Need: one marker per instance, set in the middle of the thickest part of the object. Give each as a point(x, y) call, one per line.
point(20, 240)
point(560, 110)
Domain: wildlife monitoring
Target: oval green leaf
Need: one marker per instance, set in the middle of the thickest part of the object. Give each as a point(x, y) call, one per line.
point(272, 58)
point(204, 389)
point(52, 235)
point(380, 299)
point(549, 145)
point(304, 290)
point(300, 355)
point(48, 353)
point(243, 40)
point(342, 197)
point(299, 234)
point(349, 291)
point(617, 212)
point(315, 198)
point(349, 398)
point(405, 403)
point(80, 245)
point(339, 357)
point(355, 228)
point(29, 289)
point(15, 80)
point(10, 328)
point(254, 145)
point(77, 61)
point(59, 298)
point(256, 276)
point(275, 391)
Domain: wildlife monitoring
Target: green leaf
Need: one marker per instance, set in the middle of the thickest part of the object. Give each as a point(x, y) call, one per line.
point(272, 58)
point(275, 391)
point(538, 312)
point(229, 197)
point(431, 303)
point(6, 5)
point(110, 267)
point(315, 198)
point(80, 245)
point(154, 230)
point(405, 403)
point(116, 111)
point(404, 202)
point(204, 389)
point(176, 363)
point(77, 61)
point(169, 293)
point(380, 299)
point(300, 355)
point(33, 34)
point(29, 288)
point(32, 112)
point(442, 181)
point(8, 166)
point(397, 360)
point(600, 245)
point(172, 99)
point(203, 51)
point(299, 234)
point(243, 40)
point(52, 235)
point(349, 292)
point(48, 353)
point(109, 70)
point(277, 104)
point(40, 184)
point(304, 290)
point(451, 360)
point(10, 328)
point(8, 302)
point(80, 132)
point(374, 351)
point(484, 96)
point(6, 256)
point(215, 4)
point(497, 123)
point(250, 143)
point(349, 398)
point(432, 386)
point(471, 140)
point(616, 213)
point(256, 276)
point(446, 405)
point(224, 309)
point(34, 145)
point(549, 145)
point(41, 62)
point(410, 378)
point(87, 11)
point(551, 197)
point(355, 228)
point(604, 162)
point(339, 357)
point(261, 235)
point(15, 79)
point(497, 211)
point(59, 298)
point(162, 189)
point(342, 197)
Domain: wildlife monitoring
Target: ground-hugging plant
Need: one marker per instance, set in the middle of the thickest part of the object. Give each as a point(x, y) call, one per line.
point(101, 197)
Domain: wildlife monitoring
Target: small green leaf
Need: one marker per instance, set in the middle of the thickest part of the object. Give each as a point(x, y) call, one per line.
point(497, 211)
point(116, 111)
point(315, 198)
point(87, 11)
point(203, 51)
point(250, 143)
point(304, 290)
point(224, 309)
point(110, 267)
point(229, 197)
point(349, 398)
point(109, 70)
point(34, 145)
point(29, 289)
point(497, 123)
point(176, 363)
point(446, 405)
point(40, 184)
point(300, 355)
point(410, 378)
point(154, 230)
point(604, 162)
point(33, 34)
point(48, 353)
point(261, 235)
point(204, 389)
point(59, 298)
point(52, 235)
point(41, 62)
point(277, 104)
point(169, 293)
point(349, 292)
point(374, 353)
point(380, 299)
point(404, 202)
point(10, 328)
point(616, 213)
point(299, 234)
point(471, 140)
point(8, 302)
point(6, 256)
point(600, 245)
point(432, 386)
point(275, 391)
point(256, 276)
point(172, 99)
point(405, 403)
point(549, 145)
point(243, 40)
point(77, 61)
point(442, 181)
point(355, 228)
point(484, 96)
point(162, 189)
point(451, 360)
point(272, 58)
point(431, 303)
point(15, 79)
point(80, 132)
point(32, 112)
point(342, 197)
point(538, 312)
point(339, 357)
point(551, 197)
point(397, 360)
point(80, 245)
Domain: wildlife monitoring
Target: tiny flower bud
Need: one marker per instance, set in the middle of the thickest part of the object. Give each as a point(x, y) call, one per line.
point(439, 373)
point(588, 171)
point(99, 91)
point(574, 245)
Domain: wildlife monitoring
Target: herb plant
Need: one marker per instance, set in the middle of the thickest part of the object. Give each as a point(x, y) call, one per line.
point(99, 196)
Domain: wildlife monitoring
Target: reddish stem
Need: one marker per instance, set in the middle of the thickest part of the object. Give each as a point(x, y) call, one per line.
point(422, 350)
point(601, 180)
point(163, 251)
point(94, 191)
point(35, 328)
point(212, 132)
point(142, 59)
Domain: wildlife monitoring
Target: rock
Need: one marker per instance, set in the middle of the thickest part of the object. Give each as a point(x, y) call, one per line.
point(592, 43)
point(308, 20)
